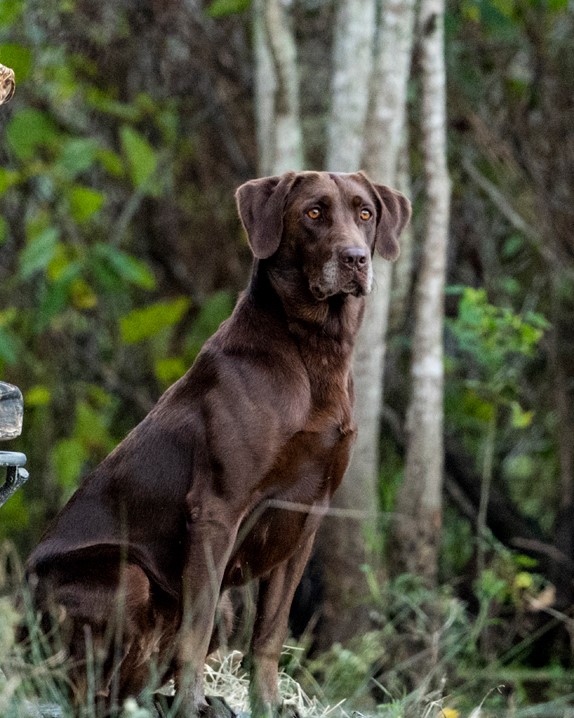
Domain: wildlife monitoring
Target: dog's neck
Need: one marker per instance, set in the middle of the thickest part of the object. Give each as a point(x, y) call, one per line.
point(333, 320)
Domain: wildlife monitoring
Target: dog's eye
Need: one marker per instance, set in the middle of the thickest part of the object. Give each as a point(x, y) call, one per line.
point(313, 213)
point(365, 214)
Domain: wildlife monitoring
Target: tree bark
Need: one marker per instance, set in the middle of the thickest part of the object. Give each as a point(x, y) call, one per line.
point(279, 134)
point(416, 528)
point(345, 544)
point(352, 64)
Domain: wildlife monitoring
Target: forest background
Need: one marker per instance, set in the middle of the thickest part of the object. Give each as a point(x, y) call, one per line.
point(121, 252)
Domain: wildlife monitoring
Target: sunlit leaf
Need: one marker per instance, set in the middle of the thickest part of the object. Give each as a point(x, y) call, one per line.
point(8, 178)
point(221, 8)
point(84, 202)
point(169, 369)
point(38, 253)
point(111, 162)
point(82, 295)
point(37, 395)
point(141, 157)
point(521, 418)
point(17, 57)
point(523, 580)
point(10, 11)
point(143, 323)
point(29, 129)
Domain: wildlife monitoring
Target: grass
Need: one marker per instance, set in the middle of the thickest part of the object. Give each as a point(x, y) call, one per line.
point(423, 662)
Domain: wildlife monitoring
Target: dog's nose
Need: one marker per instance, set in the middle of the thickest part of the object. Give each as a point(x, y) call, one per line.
point(355, 256)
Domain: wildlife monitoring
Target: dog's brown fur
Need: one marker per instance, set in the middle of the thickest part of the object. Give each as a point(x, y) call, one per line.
point(194, 500)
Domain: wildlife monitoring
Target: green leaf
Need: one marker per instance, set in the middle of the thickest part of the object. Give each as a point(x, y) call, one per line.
point(8, 178)
point(101, 101)
point(128, 268)
point(10, 12)
point(17, 57)
point(84, 202)
point(520, 419)
point(3, 230)
point(39, 251)
point(91, 428)
point(29, 129)
point(140, 155)
point(15, 514)
point(68, 458)
point(221, 8)
point(111, 162)
point(77, 155)
point(141, 324)
point(169, 369)
point(37, 395)
point(55, 296)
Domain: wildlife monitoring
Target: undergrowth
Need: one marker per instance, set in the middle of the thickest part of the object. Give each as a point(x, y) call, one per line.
point(427, 657)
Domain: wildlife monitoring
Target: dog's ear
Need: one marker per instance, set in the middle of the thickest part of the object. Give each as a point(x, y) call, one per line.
point(393, 216)
point(261, 205)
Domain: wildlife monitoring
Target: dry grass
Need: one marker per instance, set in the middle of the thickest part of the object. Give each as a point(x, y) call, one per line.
point(226, 677)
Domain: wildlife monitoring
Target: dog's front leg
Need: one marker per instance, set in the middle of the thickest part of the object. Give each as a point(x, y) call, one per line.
point(211, 533)
point(276, 593)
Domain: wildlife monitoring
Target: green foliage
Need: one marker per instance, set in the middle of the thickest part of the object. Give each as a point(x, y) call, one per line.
point(221, 8)
point(143, 323)
point(141, 158)
point(492, 336)
point(493, 345)
point(90, 328)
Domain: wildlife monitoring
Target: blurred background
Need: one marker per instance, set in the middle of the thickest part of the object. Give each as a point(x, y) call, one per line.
point(121, 251)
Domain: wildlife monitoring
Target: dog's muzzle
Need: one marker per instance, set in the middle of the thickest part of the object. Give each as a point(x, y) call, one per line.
point(348, 271)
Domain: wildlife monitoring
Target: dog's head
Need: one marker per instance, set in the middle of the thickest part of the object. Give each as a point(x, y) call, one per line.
point(324, 225)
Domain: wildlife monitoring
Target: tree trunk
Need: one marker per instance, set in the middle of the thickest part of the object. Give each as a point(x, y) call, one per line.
point(352, 63)
point(279, 134)
point(416, 528)
point(345, 544)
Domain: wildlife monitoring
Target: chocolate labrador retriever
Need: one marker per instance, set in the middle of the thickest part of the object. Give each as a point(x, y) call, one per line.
point(196, 499)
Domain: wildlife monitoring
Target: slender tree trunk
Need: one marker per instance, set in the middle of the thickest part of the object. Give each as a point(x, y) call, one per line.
point(403, 267)
point(352, 63)
point(385, 123)
point(341, 544)
point(344, 542)
point(417, 526)
point(279, 134)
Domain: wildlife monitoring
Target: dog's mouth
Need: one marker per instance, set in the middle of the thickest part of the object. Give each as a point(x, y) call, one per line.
point(356, 287)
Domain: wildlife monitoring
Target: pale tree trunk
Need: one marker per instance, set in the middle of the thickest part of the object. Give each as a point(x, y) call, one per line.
point(403, 267)
point(279, 134)
point(352, 62)
point(417, 526)
point(344, 542)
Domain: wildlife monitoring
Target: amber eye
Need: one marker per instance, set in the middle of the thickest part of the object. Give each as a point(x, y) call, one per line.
point(365, 214)
point(314, 213)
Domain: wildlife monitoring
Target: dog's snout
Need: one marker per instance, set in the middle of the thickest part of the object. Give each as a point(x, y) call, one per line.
point(355, 257)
